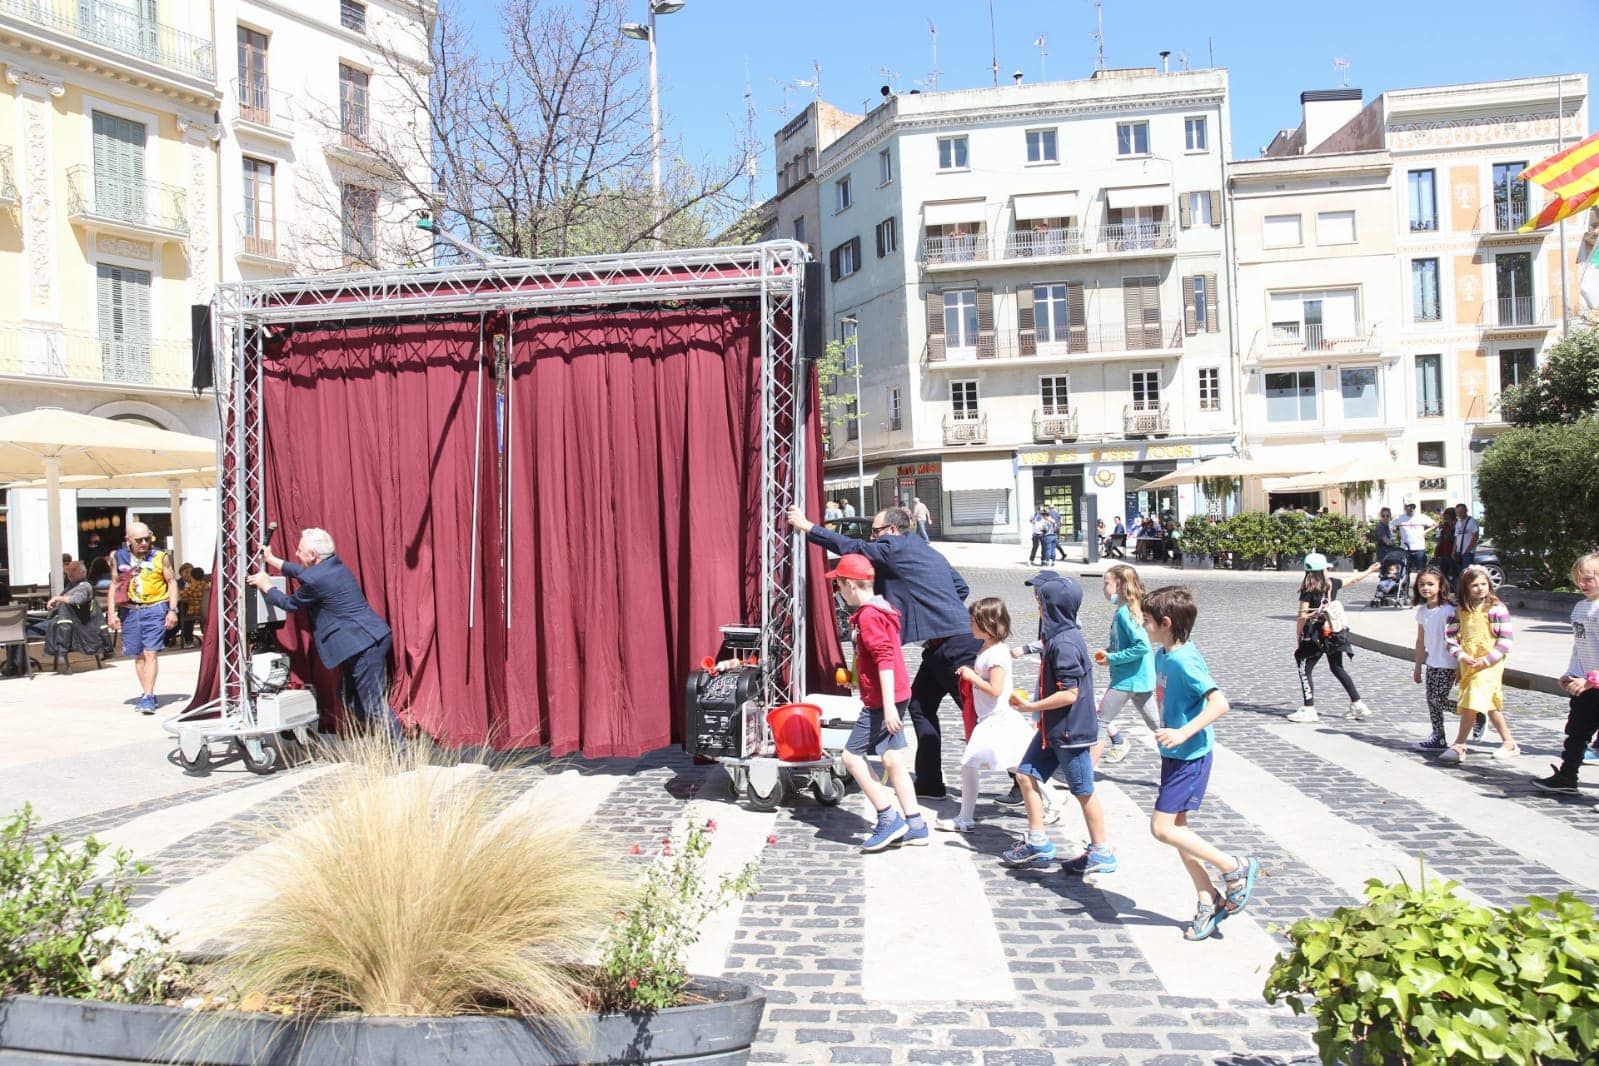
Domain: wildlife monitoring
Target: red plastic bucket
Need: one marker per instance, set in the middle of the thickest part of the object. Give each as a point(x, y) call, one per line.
point(797, 728)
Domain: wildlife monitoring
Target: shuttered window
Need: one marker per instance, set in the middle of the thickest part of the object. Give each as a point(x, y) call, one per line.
point(960, 319)
point(1141, 310)
point(1200, 304)
point(352, 15)
point(122, 296)
point(119, 190)
point(985, 323)
point(979, 507)
point(935, 316)
point(845, 259)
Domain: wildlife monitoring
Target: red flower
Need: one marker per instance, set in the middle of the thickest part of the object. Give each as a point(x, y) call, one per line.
point(710, 826)
point(667, 850)
point(632, 982)
point(772, 839)
point(666, 841)
point(635, 850)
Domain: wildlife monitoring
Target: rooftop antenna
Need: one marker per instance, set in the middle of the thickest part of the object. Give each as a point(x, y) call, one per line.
point(752, 165)
point(814, 82)
point(932, 75)
point(1041, 42)
point(1210, 50)
point(1341, 65)
point(1099, 33)
point(993, 41)
point(1182, 58)
point(892, 76)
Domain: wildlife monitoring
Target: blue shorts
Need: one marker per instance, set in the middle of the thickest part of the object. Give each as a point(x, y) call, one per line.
point(1076, 765)
point(871, 737)
point(144, 628)
point(1182, 784)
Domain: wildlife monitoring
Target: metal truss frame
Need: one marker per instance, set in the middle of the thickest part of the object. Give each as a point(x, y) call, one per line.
point(770, 272)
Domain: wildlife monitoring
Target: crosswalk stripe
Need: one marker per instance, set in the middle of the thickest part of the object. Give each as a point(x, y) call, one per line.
point(1155, 901)
point(1563, 848)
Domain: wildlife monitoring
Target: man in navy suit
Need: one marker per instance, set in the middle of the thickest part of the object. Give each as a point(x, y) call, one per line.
point(350, 637)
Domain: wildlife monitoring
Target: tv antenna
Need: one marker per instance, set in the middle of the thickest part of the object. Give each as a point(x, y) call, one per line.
point(1041, 43)
point(1098, 35)
point(932, 75)
point(1182, 59)
point(752, 165)
point(814, 82)
point(891, 76)
point(1341, 65)
point(993, 41)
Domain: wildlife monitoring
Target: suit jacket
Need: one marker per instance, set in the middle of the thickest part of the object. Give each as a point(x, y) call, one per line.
point(928, 593)
point(342, 622)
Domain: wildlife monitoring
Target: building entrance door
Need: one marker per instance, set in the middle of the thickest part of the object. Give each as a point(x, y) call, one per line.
point(1063, 494)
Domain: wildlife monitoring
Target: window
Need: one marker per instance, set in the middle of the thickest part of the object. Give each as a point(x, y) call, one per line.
point(1199, 212)
point(1196, 137)
point(1424, 303)
point(1146, 390)
point(1051, 312)
point(1517, 366)
point(1315, 320)
point(952, 153)
point(1141, 312)
point(960, 319)
point(1132, 138)
point(1041, 147)
point(1055, 395)
point(353, 100)
point(1359, 387)
point(254, 103)
point(119, 150)
point(799, 229)
point(1423, 199)
point(1335, 227)
point(260, 228)
point(1199, 302)
point(895, 419)
point(1210, 388)
point(846, 259)
point(885, 167)
point(352, 15)
point(846, 195)
point(1513, 276)
point(1431, 453)
point(1430, 385)
point(1510, 196)
point(887, 237)
point(359, 218)
point(1281, 231)
point(122, 295)
point(963, 400)
point(1291, 396)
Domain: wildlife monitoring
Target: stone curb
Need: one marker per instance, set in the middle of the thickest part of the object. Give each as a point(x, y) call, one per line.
point(1513, 677)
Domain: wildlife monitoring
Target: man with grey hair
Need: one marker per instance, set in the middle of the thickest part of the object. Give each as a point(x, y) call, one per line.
point(349, 635)
point(142, 603)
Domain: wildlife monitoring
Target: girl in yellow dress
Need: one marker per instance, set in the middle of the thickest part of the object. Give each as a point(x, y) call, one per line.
point(1480, 636)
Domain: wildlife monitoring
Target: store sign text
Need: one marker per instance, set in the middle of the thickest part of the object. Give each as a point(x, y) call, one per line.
point(1109, 455)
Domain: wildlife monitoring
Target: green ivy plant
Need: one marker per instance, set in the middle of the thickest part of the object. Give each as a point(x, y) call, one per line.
point(1419, 975)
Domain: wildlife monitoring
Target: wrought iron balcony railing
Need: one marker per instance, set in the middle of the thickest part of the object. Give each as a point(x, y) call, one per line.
point(1054, 424)
point(1139, 420)
point(966, 430)
point(149, 205)
point(122, 28)
point(80, 355)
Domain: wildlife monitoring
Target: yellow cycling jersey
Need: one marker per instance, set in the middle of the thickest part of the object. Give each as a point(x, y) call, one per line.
point(147, 582)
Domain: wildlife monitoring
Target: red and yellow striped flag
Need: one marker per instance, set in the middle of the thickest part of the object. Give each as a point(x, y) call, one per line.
point(1569, 173)
point(1559, 208)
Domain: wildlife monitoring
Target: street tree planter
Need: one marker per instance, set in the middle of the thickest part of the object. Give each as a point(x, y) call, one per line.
point(717, 1032)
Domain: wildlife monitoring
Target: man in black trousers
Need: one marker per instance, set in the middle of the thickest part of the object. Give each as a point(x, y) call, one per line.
point(930, 596)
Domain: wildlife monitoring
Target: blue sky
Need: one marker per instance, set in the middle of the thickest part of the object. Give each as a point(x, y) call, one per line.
point(1271, 57)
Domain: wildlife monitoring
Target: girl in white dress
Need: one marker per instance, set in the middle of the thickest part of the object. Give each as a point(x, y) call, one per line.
point(1001, 735)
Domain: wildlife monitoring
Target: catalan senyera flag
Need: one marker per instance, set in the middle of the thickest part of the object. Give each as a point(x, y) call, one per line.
point(1559, 208)
point(1570, 172)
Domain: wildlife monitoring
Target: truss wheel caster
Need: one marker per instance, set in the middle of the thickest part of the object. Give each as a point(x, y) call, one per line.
point(770, 801)
point(199, 763)
point(828, 789)
point(260, 756)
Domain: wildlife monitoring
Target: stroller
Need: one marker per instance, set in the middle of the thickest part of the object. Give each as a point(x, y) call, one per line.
point(1392, 583)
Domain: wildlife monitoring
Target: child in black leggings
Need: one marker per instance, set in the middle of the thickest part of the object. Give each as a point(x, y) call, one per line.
point(1319, 631)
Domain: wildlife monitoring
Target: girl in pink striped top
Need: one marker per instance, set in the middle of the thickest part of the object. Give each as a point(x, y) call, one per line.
point(1480, 636)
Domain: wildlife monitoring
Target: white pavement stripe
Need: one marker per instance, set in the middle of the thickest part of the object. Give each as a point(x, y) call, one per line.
point(1231, 966)
point(567, 798)
point(204, 908)
point(738, 840)
point(929, 934)
point(1546, 840)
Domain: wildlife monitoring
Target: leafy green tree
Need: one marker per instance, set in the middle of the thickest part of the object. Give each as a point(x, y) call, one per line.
point(834, 371)
point(1566, 388)
point(1540, 494)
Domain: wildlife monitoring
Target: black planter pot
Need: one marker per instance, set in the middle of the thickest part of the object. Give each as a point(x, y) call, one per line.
point(1341, 564)
point(1196, 562)
point(1290, 562)
point(1252, 562)
point(718, 1032)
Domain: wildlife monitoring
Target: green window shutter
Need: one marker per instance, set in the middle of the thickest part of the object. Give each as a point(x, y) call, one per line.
point(122, 297)
point(119, 167)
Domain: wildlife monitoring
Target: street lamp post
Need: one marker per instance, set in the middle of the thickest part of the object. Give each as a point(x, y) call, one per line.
point(851, 327)
point(646, 32)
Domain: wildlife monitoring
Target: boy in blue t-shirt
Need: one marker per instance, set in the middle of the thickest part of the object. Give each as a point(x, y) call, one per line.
point(1190, 702)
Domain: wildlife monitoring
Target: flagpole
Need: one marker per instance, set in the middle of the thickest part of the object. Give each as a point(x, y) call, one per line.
point(1560, 143)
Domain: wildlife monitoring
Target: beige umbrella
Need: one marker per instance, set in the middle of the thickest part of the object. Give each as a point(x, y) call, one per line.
point(174, 481)
point(1361, 470)
point(1232, 467)
point(61, 443)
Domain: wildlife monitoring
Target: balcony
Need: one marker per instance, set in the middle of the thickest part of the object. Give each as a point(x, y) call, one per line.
point(262, 112)
point(259, 245)
point(1518, 313)
point(1143, 238)
point(947, 251)
point(354, 148)
point(1121, 240)
point(1044, 243)
point(1141, 421)
point(965, 430)
point(1297, 340)
point(126, 207)
point(82, 356)
point(1497, 224)
point(121, 28)
point(1054, 426)
point(8, 185)
point(1102, 342)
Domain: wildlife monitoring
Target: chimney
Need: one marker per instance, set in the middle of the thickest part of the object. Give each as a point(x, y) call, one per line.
point(1325, 113)
point(1165, 56)
point(1018, 76)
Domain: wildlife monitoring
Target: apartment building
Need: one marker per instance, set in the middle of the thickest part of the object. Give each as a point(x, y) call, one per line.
point(1385, 297)
point(1035, 279)
point(796, 210)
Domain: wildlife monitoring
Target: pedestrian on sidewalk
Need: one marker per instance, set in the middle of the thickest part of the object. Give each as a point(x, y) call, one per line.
point(1320, 630)
point(1051, 537)
point(1480, 635)
point(1443, 552)
point(924, 519)
point(1038, 524)
point(1581, 679)
point(1131, 661)
point(999, 739)
point(1190, 704)
point(1433, 658)
point(142, 602)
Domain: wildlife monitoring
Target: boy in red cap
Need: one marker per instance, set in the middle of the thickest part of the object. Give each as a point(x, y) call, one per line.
point(885, 700)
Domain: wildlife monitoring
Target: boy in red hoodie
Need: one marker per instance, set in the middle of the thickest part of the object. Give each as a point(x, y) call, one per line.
point(885, 699)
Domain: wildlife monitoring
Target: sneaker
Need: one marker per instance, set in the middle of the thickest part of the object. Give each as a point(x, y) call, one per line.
point(1307, 713)
point(890, 827)
point(1557, 782)
point(1025, 856)
point(1118, 749)
point(1590, 755)
point(1051, 811)
point(1506, 754)
point(956, 824)
point(1451, 756)
point(1204, 923)
point(1013, 798)
point(1436, 742)
point(1097, 859)
point(1480, 728)
point(1358, 711)
point(146, 705)
point(916, 835)
point(1240, 886)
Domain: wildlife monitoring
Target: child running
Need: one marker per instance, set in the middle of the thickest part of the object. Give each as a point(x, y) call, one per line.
point(885, 699)
point(1000, 736)
point(1480, 636)
point(1067, 728)
point(1320, 630)
point(1130, 658)
point(1190, 704)
point(1434, 660)
point(1581, 679)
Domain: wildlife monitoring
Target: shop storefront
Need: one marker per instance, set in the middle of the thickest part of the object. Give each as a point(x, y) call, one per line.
point(979, 502)
point(1114, 476)
point(903, 483)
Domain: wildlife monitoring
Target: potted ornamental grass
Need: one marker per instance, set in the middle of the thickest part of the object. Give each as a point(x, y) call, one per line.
point(401, 914)
point(1418, 975)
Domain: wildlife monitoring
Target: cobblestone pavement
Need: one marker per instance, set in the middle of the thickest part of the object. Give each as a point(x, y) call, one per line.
point(1080, 973)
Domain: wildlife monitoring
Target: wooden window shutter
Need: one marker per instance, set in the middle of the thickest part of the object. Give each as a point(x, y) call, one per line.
point(985, 323)
point(1185, 213)
point(1076, 321)
point(1190, 324)
point(1212, 324)
point(1026, 322)
point(935, 327)
point(880, 251)
point(1132, 306)
point(1215, 206)
point(855, 243)
point(832, 261)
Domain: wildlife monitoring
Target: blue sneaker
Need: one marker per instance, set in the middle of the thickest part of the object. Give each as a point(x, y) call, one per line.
point(1590, 755)
point(890, 827)
point(1098, 859)
point(916, 834)
point(1025, 856)
point(145, 705)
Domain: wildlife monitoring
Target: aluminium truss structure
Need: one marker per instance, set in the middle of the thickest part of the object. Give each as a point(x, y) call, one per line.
point(770, 273)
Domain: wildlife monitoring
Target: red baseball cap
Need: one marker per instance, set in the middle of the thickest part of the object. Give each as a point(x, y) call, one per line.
point(855, 567)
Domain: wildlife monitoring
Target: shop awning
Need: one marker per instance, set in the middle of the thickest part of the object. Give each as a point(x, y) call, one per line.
point(1139, 196)
point(834, 484)
point(952, 212)
point(976, 475)
point(1045, 205)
